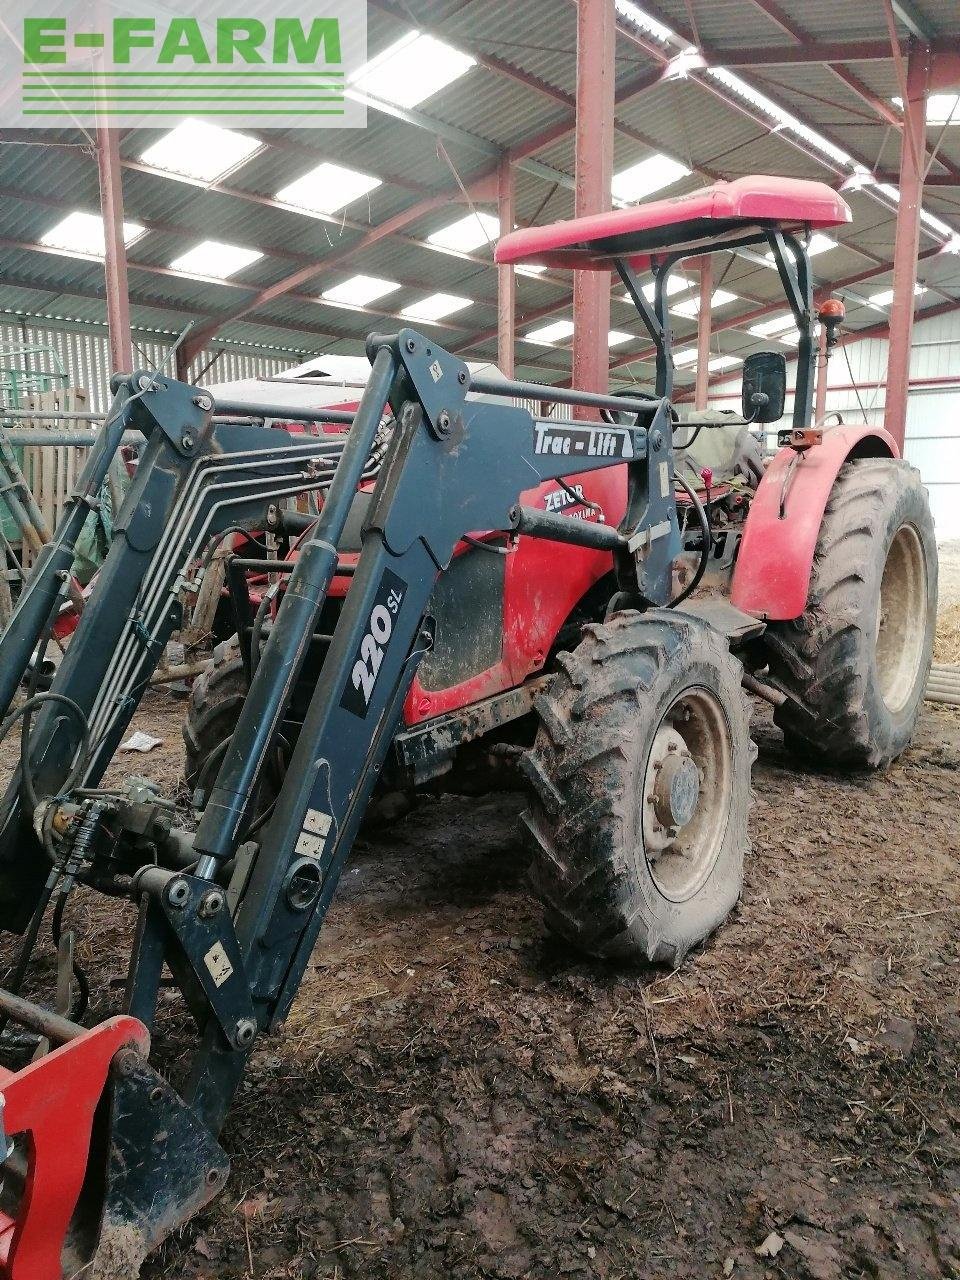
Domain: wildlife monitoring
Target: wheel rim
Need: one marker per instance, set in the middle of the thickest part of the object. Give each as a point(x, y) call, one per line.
point(687, 789)
point(901, 618)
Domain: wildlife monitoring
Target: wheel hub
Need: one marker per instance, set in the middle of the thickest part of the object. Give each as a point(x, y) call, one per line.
point(675, 790)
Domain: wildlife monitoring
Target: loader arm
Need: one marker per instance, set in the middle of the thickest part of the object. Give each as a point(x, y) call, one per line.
point(235, 918)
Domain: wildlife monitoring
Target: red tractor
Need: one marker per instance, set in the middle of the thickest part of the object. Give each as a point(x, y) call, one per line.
point(484, 585)
point(827, 562)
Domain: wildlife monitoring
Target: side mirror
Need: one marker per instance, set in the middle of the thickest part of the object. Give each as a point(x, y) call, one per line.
point(764, 386)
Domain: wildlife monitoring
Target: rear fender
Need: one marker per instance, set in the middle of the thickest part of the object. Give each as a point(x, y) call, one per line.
point(772, 575)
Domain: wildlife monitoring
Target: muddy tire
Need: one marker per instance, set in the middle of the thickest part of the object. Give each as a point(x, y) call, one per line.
point(855, 664)
point(641, 787)
point(212, 710)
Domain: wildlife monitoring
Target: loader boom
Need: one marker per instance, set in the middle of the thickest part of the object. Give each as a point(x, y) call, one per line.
point(233, 913)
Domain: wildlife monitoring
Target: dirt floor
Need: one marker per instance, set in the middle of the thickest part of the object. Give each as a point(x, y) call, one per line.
point(454, 1095)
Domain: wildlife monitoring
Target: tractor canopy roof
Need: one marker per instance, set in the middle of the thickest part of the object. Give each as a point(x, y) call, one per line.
point(640, 232)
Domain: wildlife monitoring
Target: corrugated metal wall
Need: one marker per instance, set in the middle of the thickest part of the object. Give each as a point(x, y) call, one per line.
point(86, 357)
point(933, 413)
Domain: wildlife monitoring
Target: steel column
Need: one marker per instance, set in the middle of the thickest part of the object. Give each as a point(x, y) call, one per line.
point(506, 278)
point(596, 75)
point(704, 330)
point(907, 241)
point(115, 257)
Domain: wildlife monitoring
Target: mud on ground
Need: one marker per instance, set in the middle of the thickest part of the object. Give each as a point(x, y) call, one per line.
point(457, 1096)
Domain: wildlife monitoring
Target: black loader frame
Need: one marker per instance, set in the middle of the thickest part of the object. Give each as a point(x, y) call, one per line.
point(233, 915)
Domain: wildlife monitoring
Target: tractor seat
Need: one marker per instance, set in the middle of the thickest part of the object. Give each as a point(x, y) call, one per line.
point(591, 244)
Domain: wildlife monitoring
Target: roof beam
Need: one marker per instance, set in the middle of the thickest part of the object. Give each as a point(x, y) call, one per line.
point(906, 13)
point(714, 57)
point(810, 51)
point(180, 308)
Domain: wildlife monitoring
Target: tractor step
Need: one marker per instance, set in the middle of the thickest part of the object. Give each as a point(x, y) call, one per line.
point(737, 626)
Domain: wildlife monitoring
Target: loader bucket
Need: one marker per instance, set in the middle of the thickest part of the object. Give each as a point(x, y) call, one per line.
point(101, 1158)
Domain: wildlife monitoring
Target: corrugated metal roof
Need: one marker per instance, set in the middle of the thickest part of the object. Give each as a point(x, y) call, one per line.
point(537, 39)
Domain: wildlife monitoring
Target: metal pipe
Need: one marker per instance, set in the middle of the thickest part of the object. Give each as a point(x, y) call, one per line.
point(27, 1014)
point(287, 645)
point(559, 395)
point(72, 415)
point(284, 412)
point(704, 332)
point(39, 439)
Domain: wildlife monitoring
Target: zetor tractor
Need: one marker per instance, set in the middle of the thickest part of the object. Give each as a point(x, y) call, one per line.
point(476, 569)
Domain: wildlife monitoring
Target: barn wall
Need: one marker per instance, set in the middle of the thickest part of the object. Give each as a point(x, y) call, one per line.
point(933, 411)
point(86, 357)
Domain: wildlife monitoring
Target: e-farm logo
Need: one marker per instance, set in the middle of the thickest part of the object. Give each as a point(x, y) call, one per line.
point(102, 61)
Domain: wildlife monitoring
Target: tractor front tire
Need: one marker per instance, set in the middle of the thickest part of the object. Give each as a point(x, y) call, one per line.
point(641, 787)
point(216, 697)
point(855, 664)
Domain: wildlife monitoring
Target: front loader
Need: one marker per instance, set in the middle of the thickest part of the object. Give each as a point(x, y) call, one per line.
point(485, 565)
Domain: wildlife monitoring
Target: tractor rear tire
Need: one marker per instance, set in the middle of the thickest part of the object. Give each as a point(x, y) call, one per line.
point(855, 664)
point(641, 787)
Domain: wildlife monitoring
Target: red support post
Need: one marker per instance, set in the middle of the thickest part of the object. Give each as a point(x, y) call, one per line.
point(115, 257)
point(704, 331)
point(596, 76)
point(506, 279)
point(907, 240)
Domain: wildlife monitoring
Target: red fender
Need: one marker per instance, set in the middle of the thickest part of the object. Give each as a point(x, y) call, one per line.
point(772, 574)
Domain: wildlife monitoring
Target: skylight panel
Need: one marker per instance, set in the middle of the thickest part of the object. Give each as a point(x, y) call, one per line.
point(436, 306)
point(215, 259)
point(81, 232)
point(767, 328)
point(819, 242)
point(327, 188)
point(359, 291)
point(547, 334)
point(196, 149)
point(784, 119)
point(942, 108)
point(646, 177)
point(687, 356)
point(617, 337)
point(723, 362)
point(633, 13)
point(467, 234)
point(413, 69)
point(530, 269)
point(690, 307)
point(675, 285)
point(885, 296)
